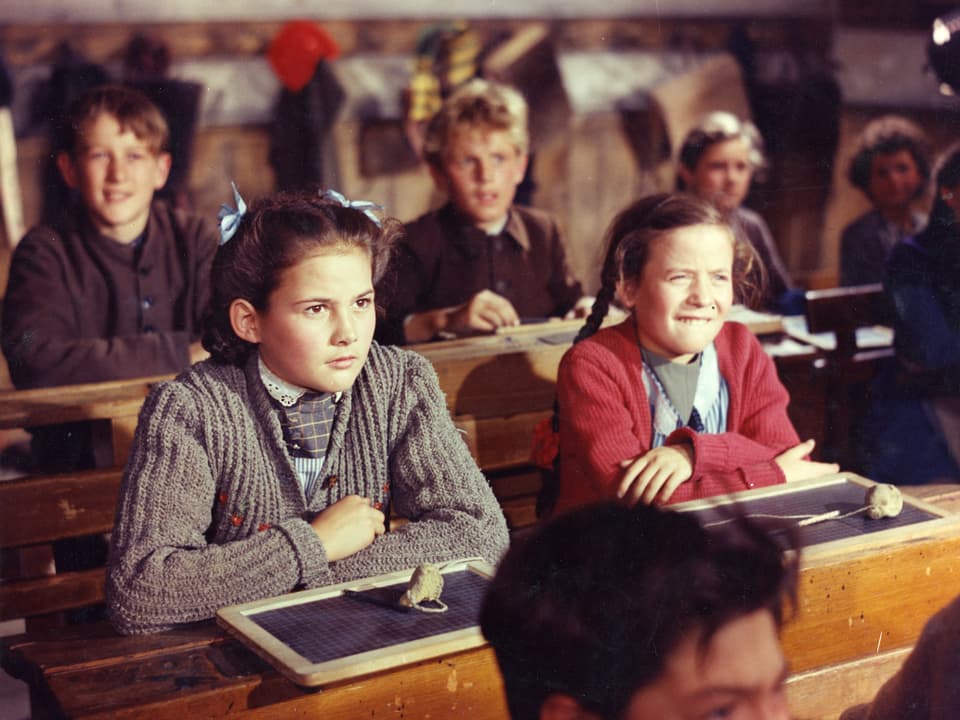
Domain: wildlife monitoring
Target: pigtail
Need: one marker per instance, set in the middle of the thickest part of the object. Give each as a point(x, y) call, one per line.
point(546, 435)
point(609, 275)
point(597, 313)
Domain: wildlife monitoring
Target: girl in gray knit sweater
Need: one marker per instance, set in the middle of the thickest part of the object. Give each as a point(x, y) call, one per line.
point(275, 464)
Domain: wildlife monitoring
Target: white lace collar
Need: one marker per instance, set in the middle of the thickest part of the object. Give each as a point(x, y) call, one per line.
point(280, 390)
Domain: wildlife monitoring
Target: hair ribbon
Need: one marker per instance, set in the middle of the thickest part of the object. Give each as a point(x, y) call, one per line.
point(230, 217)
point(365, 206)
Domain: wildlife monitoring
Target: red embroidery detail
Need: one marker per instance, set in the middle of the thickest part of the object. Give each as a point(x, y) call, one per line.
point(546, 444)
point(222, 497)
point(263, 526)
point(378, 505)
point(386, 487)
point(236, 520)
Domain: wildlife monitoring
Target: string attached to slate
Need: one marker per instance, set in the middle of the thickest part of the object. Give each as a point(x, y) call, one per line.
point(881, 501)
point(426, 584)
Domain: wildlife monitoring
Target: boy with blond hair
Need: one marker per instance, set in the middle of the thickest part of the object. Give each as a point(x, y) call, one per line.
point(116, 288)
point(480, 262)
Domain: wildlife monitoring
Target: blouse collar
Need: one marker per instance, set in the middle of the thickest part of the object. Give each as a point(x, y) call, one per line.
point(285, 393)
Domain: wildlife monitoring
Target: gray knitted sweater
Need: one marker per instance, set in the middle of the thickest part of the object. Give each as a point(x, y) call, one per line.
point(211, 512)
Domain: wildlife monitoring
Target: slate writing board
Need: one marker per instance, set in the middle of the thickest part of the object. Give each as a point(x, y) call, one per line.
point(842, 493)
point(316, 637)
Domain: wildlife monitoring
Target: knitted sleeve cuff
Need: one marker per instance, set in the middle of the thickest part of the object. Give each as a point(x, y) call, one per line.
point(310, 554)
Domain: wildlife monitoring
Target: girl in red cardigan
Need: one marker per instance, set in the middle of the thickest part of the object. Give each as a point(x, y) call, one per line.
point(673, 403)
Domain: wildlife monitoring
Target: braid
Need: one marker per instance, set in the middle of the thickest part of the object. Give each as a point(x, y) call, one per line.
point(550, 477)
point(597, 313)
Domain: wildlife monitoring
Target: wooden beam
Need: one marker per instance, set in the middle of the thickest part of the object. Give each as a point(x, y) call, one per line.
point(52, 593)
point(70, 403)
point(36, 43)
point(823, 693)
point(52, 507)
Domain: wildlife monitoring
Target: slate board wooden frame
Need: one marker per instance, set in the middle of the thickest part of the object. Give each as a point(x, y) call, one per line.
point(237, 621)
point(942, 523)
point(863, 595)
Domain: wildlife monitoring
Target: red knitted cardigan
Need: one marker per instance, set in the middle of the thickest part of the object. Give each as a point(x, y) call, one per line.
point(605, 418)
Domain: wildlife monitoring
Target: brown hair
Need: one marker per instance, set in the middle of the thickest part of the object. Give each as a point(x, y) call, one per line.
point(132, 110)
point(593, 603)
point(478, 103)
point(635, 229)
point(275, 234)
point(887, 135)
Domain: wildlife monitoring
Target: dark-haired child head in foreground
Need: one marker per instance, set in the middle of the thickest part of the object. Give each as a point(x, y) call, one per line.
point(627, 613)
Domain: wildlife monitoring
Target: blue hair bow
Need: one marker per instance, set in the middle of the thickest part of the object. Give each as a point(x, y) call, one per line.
point(364, 206)
point(230, 217)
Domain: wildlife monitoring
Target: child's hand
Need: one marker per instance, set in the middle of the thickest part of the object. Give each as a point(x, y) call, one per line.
point(486, 311)
point(348, 526)
point(655, 475)
point(795, 466)
point(581, 309)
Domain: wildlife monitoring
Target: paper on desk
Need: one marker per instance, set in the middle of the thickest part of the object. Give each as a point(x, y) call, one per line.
point(787, 347)
point(743, 314)
point(761, 323)
point(873, 336)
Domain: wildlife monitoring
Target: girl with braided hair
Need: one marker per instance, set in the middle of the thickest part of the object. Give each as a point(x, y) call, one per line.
point(673, 403)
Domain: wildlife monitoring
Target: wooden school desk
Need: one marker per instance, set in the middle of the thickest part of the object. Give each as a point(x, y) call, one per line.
point(846, 601)
point(464, 367)
point(90, 673)
point(498, 387)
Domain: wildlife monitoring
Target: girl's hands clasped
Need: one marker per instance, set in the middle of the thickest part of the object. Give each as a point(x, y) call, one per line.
point(348, 526)
point(655, 475)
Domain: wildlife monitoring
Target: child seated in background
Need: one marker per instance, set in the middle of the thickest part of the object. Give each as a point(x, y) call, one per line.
point(117, 288)
point(673, 403)
point(891, 166)
point(479, 262)
point(718, 161)
point(638, 613)
point(275, 464)
point(911, 431)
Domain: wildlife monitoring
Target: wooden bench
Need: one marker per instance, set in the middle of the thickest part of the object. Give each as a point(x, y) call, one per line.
point(497, 388)
point(844, 310)
point(89, 673)
point(39, 511)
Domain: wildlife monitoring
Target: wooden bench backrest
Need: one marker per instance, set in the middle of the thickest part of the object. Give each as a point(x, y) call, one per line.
point(40, 510)
point(843, 310)
point(849, 370)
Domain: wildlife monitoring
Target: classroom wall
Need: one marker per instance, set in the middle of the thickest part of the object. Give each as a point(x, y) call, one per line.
point(610, 152)
point(614, 148)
